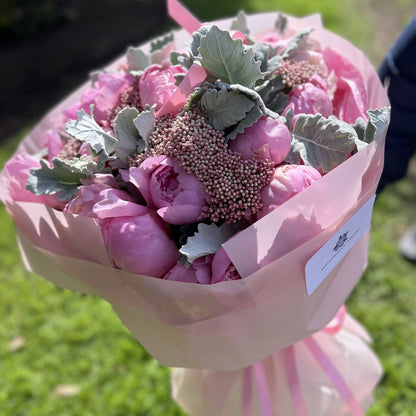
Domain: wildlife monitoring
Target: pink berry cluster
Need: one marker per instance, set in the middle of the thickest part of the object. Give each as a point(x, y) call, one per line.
point(130, 97)
point(233, 184)
point(296, 73)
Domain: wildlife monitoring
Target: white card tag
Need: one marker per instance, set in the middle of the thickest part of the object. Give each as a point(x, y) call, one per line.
point(333, 251)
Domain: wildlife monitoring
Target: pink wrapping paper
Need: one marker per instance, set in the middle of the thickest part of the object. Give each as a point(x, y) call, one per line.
point(275, 388)
point(219, 326)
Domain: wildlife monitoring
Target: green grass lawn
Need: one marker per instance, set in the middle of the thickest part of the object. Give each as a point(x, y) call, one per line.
point(77, 340)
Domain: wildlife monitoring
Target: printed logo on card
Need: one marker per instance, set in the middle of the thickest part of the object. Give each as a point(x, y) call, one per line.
point(333, 251)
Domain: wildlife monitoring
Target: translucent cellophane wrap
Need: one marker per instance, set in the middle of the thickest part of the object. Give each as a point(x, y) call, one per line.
point(292, 382)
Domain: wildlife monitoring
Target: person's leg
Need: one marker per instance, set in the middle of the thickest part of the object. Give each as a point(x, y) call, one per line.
point(398, 70)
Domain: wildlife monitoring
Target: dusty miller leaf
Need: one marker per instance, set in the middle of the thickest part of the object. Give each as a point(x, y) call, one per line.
point(160, 43)
point(273, 95)
point(281, 23)
point(194, 98)
point(137, 60)
point(63, 178)
point(228, 60)
point(261, 54)
point(145, 124)
point(378, 123)
point(129, 139)
point(297, 43)
point(224, 108)
point(240, 24)
point(182, 59)
point(207, 240)
point(321, 142)
point(251, 117)
point(86, 129)
point(196, 39)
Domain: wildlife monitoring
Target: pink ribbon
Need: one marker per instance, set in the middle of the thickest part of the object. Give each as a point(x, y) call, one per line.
point(194, 77)
point(292, 377)
point(183, 17)
point(334, 375)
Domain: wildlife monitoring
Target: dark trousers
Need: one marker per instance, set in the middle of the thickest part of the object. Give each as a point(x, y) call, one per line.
point(399, 71)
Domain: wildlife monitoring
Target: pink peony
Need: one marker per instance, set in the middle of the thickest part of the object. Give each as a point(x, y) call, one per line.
point(100, 200)
point(310, 98)
point(141, 244)
point(18, 169)
point(268, 138)
point(274, 40)
point(158, 84)
point(288, 180)
point(198, 272)
point(222, 268)
point(178, 196)
point(350, 96)
point(104, 95)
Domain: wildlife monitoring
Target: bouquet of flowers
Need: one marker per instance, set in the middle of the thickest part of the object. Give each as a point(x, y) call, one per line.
point(192, 182)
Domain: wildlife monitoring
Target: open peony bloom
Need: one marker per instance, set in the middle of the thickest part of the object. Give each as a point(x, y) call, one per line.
point(18, 169)
point(310, 98)
point(157, 84)
point(198, 272)
point(222, 268)
point(141, 244)
point(104, 95)
point(178, 197)
point(268, 138)
point(288, 180)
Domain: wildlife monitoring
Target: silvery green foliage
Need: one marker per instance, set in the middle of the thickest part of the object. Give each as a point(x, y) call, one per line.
point(194, 98)
point(378, 123)
point(160, 49)
point(133, 130)
point(129, 140)
point(261, 54)
point(281, 23)
point(183, 59)
point(85, 129)
point(207, 240)
point(297, 43)
point(196, 39)
point(158, 44)
point(228, 60)
point(137, 60)
point(273, 95)
point(63, 178)
point(224, 108)
point(145, 124)
point(232, 107)
point(320, 142)
point(240, 24)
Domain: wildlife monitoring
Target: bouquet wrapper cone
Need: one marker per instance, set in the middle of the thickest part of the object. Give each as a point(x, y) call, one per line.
point(331, 373)
point(220, 326)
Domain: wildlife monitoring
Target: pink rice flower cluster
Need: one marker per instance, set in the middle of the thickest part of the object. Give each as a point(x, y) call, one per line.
point(295, 73)
point(233, 184)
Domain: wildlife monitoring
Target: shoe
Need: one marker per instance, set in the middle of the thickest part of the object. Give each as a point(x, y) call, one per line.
point(407, 245)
